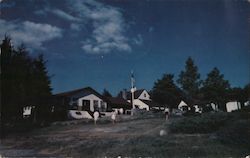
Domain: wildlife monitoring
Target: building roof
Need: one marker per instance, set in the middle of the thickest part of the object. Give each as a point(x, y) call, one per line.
point(150, 103)
point(182, 103)
point(116, 102)
point(81, 91)
point(137, 94)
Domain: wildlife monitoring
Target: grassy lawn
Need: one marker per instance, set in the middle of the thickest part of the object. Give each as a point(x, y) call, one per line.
point(130, 137)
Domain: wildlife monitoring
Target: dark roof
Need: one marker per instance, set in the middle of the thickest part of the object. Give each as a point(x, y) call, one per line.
point(86, 90)
point(137, 93)
point(116, 102)
point(150, 103)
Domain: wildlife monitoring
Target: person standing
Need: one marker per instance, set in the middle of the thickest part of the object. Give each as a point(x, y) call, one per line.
point(167, 113)
point(113, 117)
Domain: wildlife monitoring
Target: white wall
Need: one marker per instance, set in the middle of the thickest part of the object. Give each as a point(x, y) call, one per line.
point(141, 105)
point(83, 114)
point(214, 106)
point(27, 110)
point(234, 105)
point(144, 96)
point(181, 105)
point(91, 97)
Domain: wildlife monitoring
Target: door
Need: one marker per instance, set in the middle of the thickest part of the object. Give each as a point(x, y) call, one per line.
point(86, 105)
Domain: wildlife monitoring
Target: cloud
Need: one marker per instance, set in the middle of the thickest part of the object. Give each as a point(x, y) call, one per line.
point(151, 29)
point(64, 15)
point(33, 35)
point(75, 27)
point(138, 40)
point(108, 25)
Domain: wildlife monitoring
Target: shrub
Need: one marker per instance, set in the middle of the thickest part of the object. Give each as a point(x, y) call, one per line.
point(235, 133)
point(205, 123)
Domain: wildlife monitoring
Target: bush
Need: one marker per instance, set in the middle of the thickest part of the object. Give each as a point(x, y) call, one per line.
point(235, 133)
point(205, 123)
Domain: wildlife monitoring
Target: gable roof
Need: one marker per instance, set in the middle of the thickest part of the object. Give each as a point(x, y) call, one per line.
point(83, 91)
point(150, 103)
point(137, 94)
point(116, 102)
point(182, 103)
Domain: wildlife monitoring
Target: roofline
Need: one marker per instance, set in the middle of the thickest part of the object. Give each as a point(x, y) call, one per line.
point(66, 93)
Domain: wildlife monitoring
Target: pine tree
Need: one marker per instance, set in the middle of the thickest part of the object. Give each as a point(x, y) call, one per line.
point(215, 88)
point(189, 79)
point(165, 92)
point(106, 93)
point(24, 82)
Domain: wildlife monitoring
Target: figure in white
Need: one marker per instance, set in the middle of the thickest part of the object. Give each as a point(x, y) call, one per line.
point(116, 111)
point(96, 116)
point(167, 113)
point(113, 117)
point(121, 110)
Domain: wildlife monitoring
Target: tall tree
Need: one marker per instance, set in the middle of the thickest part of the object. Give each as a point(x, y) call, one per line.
point(7, 82)
point(215, 88)
point(106, 93)
point(24, 80)
point(189, 79)
point(247, 91)
point(165, 92)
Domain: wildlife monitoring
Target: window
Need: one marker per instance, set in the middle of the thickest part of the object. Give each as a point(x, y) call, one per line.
point(86, 105)
point(145, 95)
point(96, 108)
point(103, 106)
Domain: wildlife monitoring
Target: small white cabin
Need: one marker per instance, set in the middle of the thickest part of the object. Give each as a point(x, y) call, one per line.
point(182, 106)
point(232, 106)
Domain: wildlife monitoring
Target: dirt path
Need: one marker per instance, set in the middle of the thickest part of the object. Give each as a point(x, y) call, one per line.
point(68, 140)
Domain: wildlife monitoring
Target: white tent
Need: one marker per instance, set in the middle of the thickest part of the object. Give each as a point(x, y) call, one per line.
point(181, 105)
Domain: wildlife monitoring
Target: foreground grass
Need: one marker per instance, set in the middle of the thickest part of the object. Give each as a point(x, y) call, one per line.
point(138, 137)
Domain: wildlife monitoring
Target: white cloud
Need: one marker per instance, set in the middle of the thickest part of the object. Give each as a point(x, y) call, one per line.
point(33, 35)
point(108, 32)
point(75, 27)
point(138, 40)
point(64, 15)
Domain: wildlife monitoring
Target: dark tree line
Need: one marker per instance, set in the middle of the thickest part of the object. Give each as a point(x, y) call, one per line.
point(24, 82)
point(214, 89)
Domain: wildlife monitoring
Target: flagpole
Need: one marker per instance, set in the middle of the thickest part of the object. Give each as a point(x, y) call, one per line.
point(132, 91)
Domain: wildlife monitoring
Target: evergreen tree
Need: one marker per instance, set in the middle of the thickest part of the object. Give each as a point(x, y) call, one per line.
point(239, 94)
point(215, 88)
point(7, 86)
point(41, 88)
point(165, 92)
point(247, 92)
point(106, 93)
point(189, 79)
point(24, 82)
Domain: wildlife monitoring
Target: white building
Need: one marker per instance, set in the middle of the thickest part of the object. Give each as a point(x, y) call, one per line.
point(183, 106)
point(232, 106)
point(84, 99)
point(141, 99)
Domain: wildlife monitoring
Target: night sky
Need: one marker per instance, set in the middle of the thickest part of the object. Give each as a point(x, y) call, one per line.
point(98, 43)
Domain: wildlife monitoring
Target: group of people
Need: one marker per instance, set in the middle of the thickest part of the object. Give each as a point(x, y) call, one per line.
point(113, 116)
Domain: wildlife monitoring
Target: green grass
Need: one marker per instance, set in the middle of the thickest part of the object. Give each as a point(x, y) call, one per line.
point(205, 123)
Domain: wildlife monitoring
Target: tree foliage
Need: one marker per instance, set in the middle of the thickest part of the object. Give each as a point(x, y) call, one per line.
point(165, 92)
point(215, 88)
point(25, 82)
point(106, 93)
point(189, 79)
